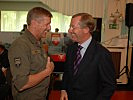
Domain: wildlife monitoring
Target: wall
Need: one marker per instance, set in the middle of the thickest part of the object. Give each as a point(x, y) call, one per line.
point(111, 8)
point(8, 37)
point(122, 31)
point(114, 39)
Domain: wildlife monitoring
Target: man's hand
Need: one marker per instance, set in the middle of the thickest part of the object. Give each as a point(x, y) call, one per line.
point(63, 95)
point(4, 70)
point(35, 79)
point(49, 67)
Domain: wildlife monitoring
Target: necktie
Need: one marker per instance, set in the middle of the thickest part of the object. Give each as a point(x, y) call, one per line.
point(77, 60)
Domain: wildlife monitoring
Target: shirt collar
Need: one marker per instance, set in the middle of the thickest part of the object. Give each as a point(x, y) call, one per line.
point(86, 43)
point(32, 38)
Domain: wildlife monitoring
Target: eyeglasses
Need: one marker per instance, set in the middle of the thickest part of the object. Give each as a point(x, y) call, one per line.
point(73, 27)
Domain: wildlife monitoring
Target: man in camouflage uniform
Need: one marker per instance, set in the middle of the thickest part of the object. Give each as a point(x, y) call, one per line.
point(30, 66)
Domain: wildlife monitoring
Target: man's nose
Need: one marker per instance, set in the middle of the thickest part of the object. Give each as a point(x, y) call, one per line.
point(70, 30)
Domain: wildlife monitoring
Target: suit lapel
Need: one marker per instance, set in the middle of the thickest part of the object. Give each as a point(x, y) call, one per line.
point(72, 54)
point(86, 58)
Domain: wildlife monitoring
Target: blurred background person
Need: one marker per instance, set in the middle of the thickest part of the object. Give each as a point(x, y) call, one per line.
point(4, 62)
point(24, 29)
point(5, 79)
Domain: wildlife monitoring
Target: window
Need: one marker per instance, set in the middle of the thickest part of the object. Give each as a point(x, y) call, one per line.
point(14, 20)
point(60, 21)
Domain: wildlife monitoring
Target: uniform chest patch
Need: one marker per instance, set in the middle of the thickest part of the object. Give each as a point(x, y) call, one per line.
point(36, 52)
point(17, 61)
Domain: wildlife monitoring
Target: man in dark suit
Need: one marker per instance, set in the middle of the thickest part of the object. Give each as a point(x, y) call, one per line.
point(4, 67)
point(4, 62)
point(95, 75)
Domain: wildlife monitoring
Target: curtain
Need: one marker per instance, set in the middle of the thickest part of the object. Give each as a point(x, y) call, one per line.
point(70, 7)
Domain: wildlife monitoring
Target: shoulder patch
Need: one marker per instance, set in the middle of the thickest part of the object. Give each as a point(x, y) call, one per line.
point(17, 61)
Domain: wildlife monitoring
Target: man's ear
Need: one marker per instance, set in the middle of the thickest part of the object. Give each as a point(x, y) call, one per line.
point(34, 22)
point(86, 30)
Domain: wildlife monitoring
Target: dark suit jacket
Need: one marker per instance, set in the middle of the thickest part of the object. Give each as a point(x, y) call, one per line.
point(4, 62)
point(95, 79)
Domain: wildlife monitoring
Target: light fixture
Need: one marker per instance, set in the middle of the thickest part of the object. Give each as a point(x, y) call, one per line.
point(117, 15)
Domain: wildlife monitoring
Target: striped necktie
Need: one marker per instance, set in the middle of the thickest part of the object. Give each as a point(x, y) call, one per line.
point(77, 60)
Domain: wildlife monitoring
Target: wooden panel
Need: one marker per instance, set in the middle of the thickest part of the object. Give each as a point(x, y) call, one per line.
point(116, 56)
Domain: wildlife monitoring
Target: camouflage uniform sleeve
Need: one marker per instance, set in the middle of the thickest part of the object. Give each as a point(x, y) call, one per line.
point(20, 63)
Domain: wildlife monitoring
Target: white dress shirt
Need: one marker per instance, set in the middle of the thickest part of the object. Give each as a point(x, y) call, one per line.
point(85, 45)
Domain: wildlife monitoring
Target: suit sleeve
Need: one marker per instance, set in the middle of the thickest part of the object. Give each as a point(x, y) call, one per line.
point(5, 61)
point(107, 74)
point(66, 79)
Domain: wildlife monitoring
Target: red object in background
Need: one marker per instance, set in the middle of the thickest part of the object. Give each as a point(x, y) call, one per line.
point(55, 38)
point(55, 42)
point(58, 57)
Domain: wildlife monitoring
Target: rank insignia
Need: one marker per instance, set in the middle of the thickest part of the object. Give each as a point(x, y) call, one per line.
point(36, 52)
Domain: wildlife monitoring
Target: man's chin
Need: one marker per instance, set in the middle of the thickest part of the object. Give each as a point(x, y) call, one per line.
point(43, 36)
point(75, 40)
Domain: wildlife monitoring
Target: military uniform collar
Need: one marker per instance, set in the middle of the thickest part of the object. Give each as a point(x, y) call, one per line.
point(32, 38)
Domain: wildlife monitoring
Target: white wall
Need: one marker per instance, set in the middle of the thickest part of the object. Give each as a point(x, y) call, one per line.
point(8, 37)
point(111, 8)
